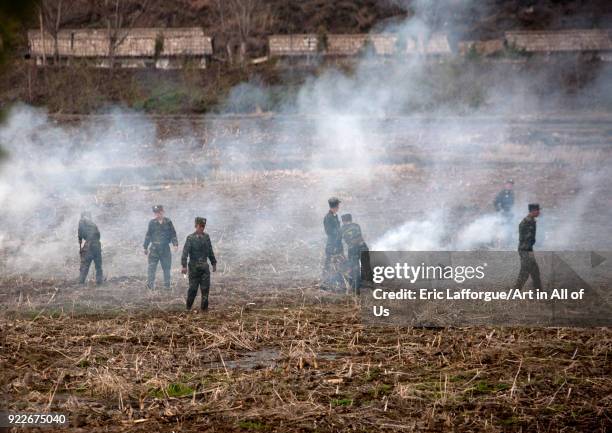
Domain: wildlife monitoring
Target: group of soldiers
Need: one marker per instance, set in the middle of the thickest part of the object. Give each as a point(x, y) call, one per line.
point(348, 271)
point(197, 252)
point(340, 270)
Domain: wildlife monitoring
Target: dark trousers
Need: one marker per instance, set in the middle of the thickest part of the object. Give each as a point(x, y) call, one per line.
point(529, 267)
point(91, 253)
point(334, 263)
point(162, 255)
point(332, 248)
point(358, 266)
point(199, 278)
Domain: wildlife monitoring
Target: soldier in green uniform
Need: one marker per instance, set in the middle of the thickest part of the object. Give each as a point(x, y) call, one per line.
point(90, 248)
point(527, 238)
point(504, 200)
point(334, 252)
point(504, 203)
point(198, 249)
point(351, 235)
point(160, 234)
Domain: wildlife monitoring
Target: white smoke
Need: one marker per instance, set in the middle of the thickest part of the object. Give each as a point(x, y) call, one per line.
point(345, 134)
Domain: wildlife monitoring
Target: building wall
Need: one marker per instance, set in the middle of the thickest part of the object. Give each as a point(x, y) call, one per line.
point(484, 48)
point(434, 44)
point(562, 40)
point(131, 43)
point(345, 45)
point(384, 44)
point(293, 45)
point(387, 44)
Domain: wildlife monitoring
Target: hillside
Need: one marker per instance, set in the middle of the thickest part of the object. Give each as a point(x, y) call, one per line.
point(80, 90)
point(480, 19)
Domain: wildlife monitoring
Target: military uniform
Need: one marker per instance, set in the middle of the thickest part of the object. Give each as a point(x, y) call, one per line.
point(504, 201)
point(91, 249)
point(529, 265)
point(334, 252)
point(198, 249)
point(158, 237)
point(351, 235)
point(331, 224)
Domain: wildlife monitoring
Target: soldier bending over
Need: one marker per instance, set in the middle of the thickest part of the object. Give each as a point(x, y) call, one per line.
point(351, 235)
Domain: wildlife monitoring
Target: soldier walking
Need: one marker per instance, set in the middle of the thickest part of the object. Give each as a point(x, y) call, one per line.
point(198, 249)
point(351, 235)
point(90, 248)
point(527, 238)
point(160, 234)
point(334, 252)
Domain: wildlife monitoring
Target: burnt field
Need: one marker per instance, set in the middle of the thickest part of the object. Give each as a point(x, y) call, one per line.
point(276, 353)
point(299, 360)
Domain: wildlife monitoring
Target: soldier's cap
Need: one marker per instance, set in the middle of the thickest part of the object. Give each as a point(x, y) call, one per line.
point(158, 208)
point(533, 206)
point(510, 181)
point(347, 217)
point(333, 202)
point(199, 221)
point(86, 215)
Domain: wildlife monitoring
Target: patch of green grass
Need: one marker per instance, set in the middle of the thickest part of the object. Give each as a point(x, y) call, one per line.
point(373, 374)
point(179, 390)
point(381, 390)
point(81, 389)
point(510, 421)
point(342, 402)
point(170, 101)
point(252, 425)
point(484, 387)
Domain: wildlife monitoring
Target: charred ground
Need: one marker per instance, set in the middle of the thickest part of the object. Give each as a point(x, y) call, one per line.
point(299, 360)
point(275, 353)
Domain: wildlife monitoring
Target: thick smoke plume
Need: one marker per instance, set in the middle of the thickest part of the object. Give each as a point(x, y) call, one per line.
point(419, 182)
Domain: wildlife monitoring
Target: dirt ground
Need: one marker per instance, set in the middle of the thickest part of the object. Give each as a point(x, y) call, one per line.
point(275, 353)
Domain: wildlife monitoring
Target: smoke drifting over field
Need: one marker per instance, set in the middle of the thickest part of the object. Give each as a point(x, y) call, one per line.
point(424, 182)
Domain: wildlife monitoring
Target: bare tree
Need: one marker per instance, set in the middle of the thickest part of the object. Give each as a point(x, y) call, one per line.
point(246, 16)
point(41, 23)
point(121, 17)
point(221, 11)
point(51, 15)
